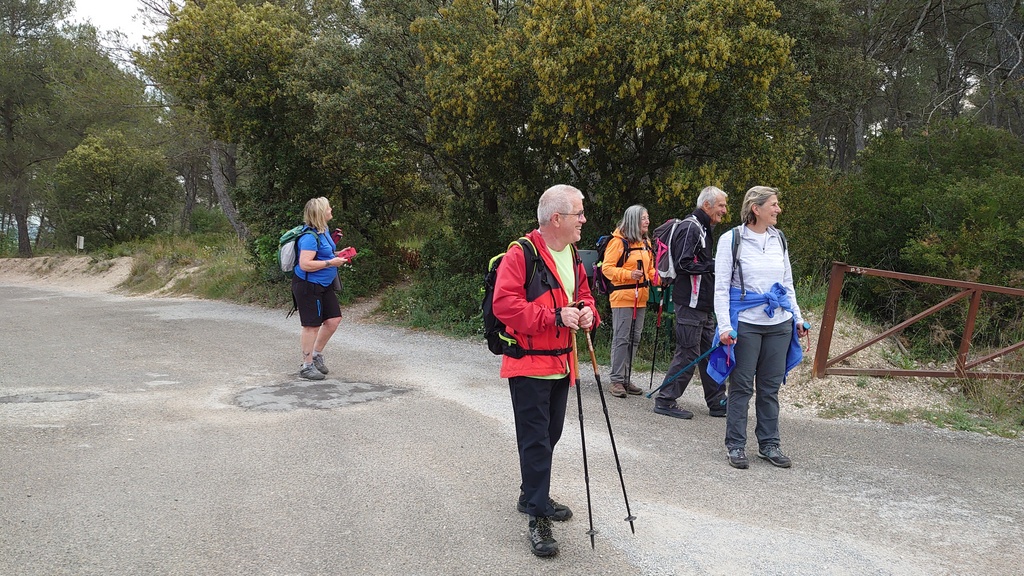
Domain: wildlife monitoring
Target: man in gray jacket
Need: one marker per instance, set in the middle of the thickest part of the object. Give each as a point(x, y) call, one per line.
point(693, 296)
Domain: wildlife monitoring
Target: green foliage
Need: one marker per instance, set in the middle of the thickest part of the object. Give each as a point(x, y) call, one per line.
point(232, 63)
point(57, 84)
point(451, 306)
point(367, 117)
point(110, 191)
point(940, 203)
point(228, 59)
point(208, 220)
point(902, 180)
point(991, 414)
point(817, 239)
point(628, 101)
point(8, 243)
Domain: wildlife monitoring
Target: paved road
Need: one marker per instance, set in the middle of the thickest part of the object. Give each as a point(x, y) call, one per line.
point(167, 436)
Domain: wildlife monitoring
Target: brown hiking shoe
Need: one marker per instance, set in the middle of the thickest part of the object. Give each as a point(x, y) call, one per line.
point(633, 389)
point(618, 390)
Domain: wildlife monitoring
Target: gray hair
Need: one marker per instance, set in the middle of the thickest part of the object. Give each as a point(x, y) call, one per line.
point(557, 199)
point(630, 223)
point(710, 194)
point(757, 195)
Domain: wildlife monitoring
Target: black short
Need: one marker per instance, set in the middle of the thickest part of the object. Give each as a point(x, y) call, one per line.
point(315, 302)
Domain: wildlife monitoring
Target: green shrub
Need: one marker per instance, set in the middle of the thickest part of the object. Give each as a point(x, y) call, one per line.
point(942, 203)
point(816, 238)
point(9, 243)
point(209, 220)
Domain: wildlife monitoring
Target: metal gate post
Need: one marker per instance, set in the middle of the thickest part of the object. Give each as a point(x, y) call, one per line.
point(828, 318)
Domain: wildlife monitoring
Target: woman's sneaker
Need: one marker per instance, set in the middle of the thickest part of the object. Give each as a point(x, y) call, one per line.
point(311, 373)
point(738, 458)
point(773, 454)
point(319, 364)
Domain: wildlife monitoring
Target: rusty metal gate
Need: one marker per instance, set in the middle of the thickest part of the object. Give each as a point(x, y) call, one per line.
point(964, 368)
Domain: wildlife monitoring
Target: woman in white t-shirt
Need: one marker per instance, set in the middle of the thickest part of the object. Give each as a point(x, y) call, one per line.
point(756, 308)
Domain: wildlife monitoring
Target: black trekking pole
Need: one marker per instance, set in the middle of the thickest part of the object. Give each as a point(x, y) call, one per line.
point(604, 405)
point(583, 438)
point(632, 324)
point(657, 332)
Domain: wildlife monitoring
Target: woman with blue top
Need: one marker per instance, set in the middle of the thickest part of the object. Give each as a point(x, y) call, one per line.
point(756, 308)
point(312, 288)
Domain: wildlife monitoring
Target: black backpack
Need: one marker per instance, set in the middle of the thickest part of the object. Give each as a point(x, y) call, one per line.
point(600, 284)
point(538, 281)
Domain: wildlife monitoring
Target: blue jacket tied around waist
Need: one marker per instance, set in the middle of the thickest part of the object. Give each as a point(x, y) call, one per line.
point(722, 359)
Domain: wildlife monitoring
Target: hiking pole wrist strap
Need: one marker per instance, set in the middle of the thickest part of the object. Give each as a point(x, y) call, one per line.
point(558, 317)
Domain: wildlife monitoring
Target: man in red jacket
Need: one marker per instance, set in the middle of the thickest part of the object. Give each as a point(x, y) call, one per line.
point(543, 324)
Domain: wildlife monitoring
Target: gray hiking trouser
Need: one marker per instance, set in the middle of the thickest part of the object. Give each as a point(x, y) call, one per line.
point(695, 333)
point(622, 318)
point(761, 365)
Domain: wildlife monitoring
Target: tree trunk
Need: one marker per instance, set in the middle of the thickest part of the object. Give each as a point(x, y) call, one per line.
point(191, 177)
point(20, 208)
point(1008, 29)
point(224, 176)
point(859, 132)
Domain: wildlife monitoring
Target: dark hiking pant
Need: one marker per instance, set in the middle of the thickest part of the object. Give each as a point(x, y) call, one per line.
point(539, 408)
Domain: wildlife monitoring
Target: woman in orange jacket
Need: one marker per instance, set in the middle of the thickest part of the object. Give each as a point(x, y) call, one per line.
point(629, 266)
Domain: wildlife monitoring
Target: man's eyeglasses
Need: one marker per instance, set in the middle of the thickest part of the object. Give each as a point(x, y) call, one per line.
point(578, 215)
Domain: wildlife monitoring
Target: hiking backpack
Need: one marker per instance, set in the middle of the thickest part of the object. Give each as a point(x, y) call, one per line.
point(287, 247)
point(737, 270)
point(664, 235)
point(538, 281)
point(600, 283)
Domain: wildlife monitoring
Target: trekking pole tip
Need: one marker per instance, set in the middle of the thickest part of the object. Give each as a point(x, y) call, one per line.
point(630, 519)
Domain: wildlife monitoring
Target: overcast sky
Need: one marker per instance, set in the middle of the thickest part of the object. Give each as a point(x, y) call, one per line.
point(110, 15)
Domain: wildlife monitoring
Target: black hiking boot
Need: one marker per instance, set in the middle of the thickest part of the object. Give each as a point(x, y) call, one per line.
point(542, 541)
point(562, 512)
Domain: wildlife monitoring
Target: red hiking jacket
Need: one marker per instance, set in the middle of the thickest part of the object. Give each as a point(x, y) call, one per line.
point(532, 324)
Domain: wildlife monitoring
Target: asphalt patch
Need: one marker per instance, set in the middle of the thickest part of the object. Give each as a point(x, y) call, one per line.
point(323, 395)
point(47, 397)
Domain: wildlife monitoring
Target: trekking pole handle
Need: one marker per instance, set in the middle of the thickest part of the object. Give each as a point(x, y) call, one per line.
point(590, 348)
point(590, 342)
point(807, 325)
